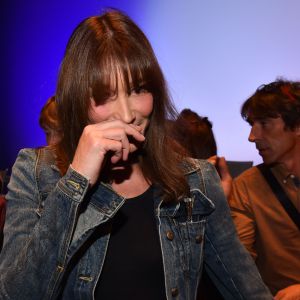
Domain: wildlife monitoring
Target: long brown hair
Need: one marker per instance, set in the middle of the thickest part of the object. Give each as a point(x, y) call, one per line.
point(99, 49)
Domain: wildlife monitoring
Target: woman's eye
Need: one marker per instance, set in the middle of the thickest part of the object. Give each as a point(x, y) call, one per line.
point(143, 90)
point(109, 97)
point(139, 90)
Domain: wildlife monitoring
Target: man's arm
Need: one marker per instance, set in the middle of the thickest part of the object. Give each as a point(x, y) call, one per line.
point(242, 214)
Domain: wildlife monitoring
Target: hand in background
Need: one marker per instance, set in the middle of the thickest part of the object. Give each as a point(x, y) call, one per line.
point(222, 168)
point(292, 292)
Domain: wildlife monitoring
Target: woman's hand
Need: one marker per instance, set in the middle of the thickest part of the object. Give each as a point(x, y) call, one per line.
point(97, 140)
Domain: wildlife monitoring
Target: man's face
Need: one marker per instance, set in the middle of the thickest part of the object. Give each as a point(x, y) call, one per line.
point(274, 142)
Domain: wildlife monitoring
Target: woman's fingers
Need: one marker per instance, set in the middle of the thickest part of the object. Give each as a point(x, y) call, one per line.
point(97, 140)
point(128, 137)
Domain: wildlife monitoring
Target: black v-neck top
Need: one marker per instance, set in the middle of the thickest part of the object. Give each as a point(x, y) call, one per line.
point(133, 267)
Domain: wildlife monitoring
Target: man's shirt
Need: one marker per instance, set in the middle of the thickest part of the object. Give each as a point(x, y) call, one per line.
point(265, 228)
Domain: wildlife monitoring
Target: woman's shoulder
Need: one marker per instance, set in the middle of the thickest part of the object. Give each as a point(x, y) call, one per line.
point(199, 173)
point(27, 152)
point(25, 160)
point(33, 160)
point(191, 165)
point(34, 167)
point(23, 179)
point(29, 156)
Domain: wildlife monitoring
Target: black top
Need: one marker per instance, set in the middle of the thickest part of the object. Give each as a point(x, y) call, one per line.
point(133, 267)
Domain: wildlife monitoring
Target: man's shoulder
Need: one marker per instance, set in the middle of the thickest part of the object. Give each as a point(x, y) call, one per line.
point(249, 187)
point(251, 179)
point(249, 174)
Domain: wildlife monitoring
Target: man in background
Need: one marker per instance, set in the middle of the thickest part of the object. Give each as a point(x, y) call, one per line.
point(269, 231)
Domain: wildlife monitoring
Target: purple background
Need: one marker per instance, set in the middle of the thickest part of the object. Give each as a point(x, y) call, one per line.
point(214, 55)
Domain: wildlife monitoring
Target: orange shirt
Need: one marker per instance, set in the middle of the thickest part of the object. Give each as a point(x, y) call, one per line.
point(265, 228)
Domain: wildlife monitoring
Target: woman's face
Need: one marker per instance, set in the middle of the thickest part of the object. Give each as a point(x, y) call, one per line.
point(134, 109)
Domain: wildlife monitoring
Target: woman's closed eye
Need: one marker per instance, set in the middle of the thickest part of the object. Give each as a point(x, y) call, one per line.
point(139, 89)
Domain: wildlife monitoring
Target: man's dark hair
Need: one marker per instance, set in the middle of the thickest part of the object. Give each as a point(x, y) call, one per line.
point(280, 98)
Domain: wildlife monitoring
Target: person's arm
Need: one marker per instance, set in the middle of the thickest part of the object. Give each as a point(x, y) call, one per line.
point(35, 247)
point(291, 292)
point(223, 171)
point(226, 260)
point(242, 214)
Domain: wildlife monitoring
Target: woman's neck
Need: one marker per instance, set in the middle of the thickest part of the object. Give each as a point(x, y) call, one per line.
point(130, 181)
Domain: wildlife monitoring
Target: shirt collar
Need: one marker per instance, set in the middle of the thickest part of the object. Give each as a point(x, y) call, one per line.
point(284, 175)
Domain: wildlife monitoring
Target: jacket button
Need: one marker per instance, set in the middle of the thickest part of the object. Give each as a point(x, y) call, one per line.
point(174, 292)
point(199, 239)
point(170, 235)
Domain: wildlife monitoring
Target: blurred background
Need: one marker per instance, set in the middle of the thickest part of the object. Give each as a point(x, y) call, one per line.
point(214, 55)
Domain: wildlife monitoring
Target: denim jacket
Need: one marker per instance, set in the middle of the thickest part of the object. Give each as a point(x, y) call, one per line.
point(55, 238)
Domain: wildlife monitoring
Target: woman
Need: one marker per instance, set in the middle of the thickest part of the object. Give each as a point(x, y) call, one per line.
point(111, 212)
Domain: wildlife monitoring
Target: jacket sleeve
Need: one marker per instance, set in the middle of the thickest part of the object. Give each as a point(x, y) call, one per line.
point(226, 260)
point(35, 245)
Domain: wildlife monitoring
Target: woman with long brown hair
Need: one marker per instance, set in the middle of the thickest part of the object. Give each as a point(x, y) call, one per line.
point(112, 211)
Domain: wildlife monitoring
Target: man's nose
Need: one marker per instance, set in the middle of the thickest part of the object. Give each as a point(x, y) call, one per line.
point(253, 135)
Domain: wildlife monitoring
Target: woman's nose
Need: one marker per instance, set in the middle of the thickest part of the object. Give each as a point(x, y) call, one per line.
point(125, 111)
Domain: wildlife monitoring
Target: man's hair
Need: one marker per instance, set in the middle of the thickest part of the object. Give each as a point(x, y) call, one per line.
point(280, 98)
point(100, 50)
point(194, 133)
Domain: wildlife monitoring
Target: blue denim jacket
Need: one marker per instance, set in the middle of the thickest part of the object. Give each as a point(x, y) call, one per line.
point(55, 239)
